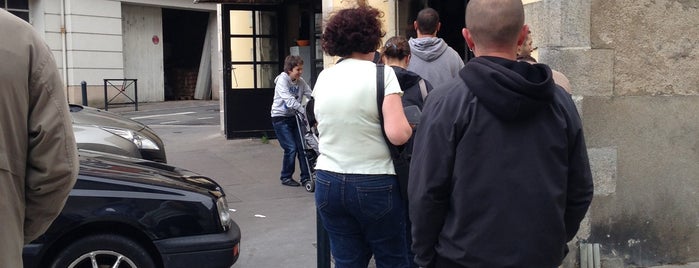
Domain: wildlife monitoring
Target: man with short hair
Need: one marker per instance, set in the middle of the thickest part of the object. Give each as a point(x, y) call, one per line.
point(432, 58)
point(524, 53)
point(500, 175)
point(38, 155)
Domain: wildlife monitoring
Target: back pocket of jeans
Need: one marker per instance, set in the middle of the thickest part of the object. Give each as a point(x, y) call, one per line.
point(321, 193)
point(375, 202)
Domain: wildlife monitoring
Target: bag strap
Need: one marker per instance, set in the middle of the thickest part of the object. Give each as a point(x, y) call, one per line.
point(380, 91)
point(423, 89)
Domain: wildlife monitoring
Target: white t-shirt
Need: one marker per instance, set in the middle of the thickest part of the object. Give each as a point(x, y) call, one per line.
point(350, 138)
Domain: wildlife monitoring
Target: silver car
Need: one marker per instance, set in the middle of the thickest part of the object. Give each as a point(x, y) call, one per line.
point(103, 131)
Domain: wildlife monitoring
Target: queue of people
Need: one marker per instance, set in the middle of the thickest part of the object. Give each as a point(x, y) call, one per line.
point(498, 168)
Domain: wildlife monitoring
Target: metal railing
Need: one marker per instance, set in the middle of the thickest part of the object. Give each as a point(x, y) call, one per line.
point(121, 90)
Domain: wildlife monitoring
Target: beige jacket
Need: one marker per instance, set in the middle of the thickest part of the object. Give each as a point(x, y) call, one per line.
point(38, 155)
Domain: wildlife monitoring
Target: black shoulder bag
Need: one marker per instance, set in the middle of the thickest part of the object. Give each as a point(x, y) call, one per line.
point(400, 164)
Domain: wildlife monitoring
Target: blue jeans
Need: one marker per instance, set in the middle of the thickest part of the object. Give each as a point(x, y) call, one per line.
point(364, 216)
point(287, 133)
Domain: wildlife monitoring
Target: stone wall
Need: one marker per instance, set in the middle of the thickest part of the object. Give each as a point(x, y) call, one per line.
point(645, 212)
point(633, 64)
point(655, 42)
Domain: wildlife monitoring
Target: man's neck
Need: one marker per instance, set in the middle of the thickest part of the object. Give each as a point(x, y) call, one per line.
point(421, 35)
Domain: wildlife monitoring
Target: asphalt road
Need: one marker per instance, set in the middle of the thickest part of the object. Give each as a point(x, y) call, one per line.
point(175, 113)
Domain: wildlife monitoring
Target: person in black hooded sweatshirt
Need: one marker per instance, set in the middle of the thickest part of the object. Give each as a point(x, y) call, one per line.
point(499, 175)
point(396, 53)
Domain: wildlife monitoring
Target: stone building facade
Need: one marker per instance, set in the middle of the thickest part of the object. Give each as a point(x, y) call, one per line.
point(633, 66)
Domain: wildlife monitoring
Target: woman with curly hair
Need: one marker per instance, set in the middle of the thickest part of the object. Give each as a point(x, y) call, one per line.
point(357, 193)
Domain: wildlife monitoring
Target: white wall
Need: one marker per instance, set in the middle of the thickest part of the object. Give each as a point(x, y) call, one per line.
point(93, 39)
point(182, 4)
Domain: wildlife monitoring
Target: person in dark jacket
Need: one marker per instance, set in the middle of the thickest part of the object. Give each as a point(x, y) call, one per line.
point(396, 53)
point(500, 175)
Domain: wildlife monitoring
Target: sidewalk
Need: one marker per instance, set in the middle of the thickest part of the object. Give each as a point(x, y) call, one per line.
point(277, 222)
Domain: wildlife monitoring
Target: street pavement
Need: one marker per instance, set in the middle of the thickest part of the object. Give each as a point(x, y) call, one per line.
point(278, 223)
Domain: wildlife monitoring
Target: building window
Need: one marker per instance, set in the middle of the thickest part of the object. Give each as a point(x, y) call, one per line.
point(19, 8)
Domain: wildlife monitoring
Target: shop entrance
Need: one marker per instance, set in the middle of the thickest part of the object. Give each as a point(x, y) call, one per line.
point(252, 59)
point(256, 39)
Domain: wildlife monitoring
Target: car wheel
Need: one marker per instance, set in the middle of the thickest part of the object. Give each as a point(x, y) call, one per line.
point(104, 250)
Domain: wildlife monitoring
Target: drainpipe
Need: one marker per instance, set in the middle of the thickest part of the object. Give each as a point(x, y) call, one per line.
point(64, 49)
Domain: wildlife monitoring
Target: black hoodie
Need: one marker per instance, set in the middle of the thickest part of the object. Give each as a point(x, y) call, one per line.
point(409, 83)
point(500, 175)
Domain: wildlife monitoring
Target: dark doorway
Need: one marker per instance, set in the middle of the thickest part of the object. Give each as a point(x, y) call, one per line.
point(451, 15)
point(184, 32)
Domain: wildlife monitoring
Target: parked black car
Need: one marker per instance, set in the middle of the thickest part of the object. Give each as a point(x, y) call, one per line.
point(127, 212)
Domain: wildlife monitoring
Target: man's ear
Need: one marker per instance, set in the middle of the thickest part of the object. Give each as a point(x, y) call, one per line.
point(415, 26)
point(439, 25)
point(468, 38)
point(523, 35)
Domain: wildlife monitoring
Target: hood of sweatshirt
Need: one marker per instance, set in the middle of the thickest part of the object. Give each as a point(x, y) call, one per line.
point(406, 79)
point(282, 75)
point(427, 48)
point(511, 90)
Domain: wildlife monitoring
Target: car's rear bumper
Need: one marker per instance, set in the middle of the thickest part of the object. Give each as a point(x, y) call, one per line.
point(211, 250)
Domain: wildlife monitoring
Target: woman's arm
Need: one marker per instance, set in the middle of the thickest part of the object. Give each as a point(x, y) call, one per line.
point(396, 125)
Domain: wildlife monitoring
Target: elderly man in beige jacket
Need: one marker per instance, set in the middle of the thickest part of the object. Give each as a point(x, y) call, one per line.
point(38, 155)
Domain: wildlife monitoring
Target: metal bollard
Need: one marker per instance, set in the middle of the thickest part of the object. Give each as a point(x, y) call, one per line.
point(83, 88)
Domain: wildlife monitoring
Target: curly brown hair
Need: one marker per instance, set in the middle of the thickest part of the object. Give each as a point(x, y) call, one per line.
point(353, 30)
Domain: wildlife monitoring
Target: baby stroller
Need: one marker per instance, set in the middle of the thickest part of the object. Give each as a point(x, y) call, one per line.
point(309, 141)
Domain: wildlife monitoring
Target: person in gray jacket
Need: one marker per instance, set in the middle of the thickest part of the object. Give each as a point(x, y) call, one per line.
point(432, 58)
point(38, 155)
point(289, 90)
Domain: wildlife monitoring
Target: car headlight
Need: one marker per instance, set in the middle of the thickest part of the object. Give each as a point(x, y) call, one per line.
point(223, 213)
point(141, 141)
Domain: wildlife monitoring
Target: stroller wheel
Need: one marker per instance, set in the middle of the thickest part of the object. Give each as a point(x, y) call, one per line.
point(310, 185)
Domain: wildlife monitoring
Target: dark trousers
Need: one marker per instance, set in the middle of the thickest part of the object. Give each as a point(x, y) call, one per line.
point(287, 133)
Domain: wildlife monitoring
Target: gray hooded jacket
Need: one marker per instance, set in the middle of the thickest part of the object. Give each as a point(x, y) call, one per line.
point(288, 95)
point(434, 60)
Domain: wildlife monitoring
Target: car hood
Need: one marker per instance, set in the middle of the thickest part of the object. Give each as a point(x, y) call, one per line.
point(134, 170)
point(85, 115)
